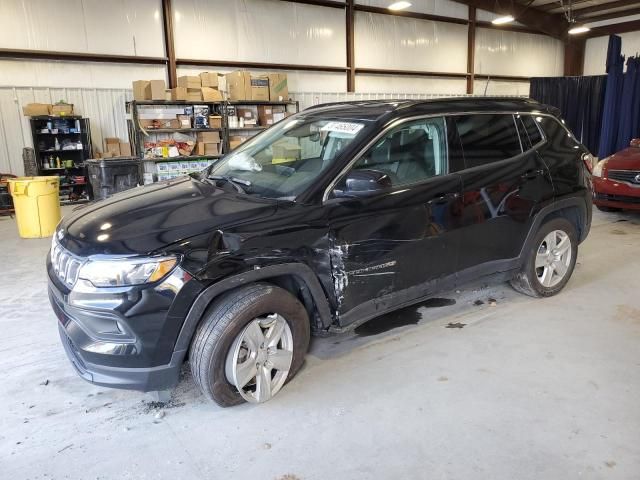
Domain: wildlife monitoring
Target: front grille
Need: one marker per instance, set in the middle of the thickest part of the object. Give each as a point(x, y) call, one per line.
point(628, 176)
point(617, 198)
point(65, 265)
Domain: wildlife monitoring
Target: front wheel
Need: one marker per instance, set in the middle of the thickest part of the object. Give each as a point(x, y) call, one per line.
point(550, 263)
point(250, 343)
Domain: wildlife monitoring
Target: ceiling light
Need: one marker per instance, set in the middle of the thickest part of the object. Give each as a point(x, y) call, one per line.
point(399, 6)
point(503, 20)
point(578, 29)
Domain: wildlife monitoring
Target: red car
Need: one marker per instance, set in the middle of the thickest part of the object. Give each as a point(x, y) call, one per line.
point(616, 180)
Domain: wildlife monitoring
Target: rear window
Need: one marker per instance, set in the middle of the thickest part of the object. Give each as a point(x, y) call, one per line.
point(487, 138)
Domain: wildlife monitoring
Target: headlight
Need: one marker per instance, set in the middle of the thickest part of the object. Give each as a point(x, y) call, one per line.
point(597, 170)
point(126, 272)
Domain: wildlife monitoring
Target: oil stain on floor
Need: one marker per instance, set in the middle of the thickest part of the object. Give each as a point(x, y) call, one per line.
point(400, 318)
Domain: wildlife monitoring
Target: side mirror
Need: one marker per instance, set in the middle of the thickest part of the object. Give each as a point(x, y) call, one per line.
point(362, 183)
point(635, 142)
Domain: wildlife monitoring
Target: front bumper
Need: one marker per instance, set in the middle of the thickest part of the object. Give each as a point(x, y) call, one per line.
point(611, 193)
point(127, 342)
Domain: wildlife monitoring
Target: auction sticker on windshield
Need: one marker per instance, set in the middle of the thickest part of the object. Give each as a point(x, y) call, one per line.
point(343, 127)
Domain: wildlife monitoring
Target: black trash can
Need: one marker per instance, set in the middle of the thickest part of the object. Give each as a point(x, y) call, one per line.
point(112, 175)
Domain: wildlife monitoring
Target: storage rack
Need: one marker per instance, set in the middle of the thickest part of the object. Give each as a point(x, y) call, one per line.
point(45, 129)
point(222, 108)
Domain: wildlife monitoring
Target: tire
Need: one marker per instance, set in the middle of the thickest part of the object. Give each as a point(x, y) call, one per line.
point(226, 320)
point(529, 280)
point(607, 209)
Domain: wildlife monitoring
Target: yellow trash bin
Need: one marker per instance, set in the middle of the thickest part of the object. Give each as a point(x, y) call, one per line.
point(36, 201)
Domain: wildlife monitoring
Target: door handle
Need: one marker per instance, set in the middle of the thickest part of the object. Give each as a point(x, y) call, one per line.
point(531, 174)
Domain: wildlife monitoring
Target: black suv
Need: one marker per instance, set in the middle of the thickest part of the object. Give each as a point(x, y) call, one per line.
point(329, 218)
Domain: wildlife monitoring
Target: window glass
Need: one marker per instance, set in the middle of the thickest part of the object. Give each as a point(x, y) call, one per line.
point(409, 153)
point(533, 132)
point(487, 138)
point(285, 159)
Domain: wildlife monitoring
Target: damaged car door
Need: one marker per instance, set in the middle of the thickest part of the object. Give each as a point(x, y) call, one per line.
point(393, 219)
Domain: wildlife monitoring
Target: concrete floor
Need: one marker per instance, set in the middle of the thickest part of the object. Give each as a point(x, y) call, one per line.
point(528, 389)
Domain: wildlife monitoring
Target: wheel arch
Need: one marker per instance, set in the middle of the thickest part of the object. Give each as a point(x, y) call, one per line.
point(296, 278)
point(572, 209)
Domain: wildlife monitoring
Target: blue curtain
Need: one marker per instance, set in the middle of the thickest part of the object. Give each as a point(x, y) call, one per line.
point(580, 100)
point(612, 99)
point(629, 102)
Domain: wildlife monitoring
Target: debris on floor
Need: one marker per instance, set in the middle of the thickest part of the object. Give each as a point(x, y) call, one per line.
point(455, 325)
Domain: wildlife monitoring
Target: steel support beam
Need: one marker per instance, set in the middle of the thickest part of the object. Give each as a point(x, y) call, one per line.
point(169, 45)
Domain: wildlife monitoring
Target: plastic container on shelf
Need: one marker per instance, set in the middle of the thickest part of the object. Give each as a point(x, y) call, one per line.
point(112, 175)
point(36, 201)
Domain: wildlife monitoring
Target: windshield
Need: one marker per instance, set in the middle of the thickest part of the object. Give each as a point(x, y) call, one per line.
point(285, 159)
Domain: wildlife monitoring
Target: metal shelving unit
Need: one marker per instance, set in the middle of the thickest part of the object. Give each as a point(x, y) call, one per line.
point(68, 130)
point(137, 134)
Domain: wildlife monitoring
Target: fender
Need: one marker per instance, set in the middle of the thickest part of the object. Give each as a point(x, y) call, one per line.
point(578, 202)
point(303, 272)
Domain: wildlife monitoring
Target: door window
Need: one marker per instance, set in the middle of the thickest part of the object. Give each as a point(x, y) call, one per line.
point(487, 138)
point(409, 153)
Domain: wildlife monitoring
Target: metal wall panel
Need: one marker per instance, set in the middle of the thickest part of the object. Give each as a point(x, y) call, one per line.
point(500, 52)
point(86, 26)
point(402, 84)
point(260, 31)
point(445, 8)
point(393, 42)
point(17, 73)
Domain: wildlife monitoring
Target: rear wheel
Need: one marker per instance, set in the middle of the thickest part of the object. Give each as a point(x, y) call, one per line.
point(550, 263)
point(250, 343)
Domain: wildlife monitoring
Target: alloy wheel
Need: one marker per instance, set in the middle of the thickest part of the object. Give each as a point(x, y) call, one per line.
point(553, 258)
point(260, 358)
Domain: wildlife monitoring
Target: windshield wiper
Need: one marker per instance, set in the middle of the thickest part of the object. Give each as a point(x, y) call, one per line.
point(236, 182)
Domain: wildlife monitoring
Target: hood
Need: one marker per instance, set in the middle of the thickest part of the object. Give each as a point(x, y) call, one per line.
point(145, 219)
point(627, 159)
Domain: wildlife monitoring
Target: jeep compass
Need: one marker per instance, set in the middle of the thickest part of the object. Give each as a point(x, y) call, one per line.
point(331, 217)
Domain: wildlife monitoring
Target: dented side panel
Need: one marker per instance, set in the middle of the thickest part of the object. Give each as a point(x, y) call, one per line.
point(383, 246)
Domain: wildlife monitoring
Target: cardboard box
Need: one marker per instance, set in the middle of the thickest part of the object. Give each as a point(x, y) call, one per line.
point(209, 79)
point(125, 149)
point(185, 121)
point(35, 109)
point(259, 88)
point(194, 94)
point(209, 148)
point(236, 140)
point(278, 87)
point(238, 85)
point(215, 121)
point(155, 90)
point(208, 137)
point(179, 93)
point(210, 94)
point(152, 124)
point(140, 89)
point(61, 109)
point(270, 114)
point(112, 146)
point(189, 81)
